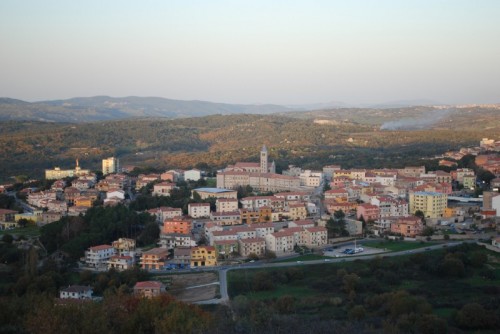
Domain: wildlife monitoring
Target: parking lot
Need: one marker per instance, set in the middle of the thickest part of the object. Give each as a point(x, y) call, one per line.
point(341, 251)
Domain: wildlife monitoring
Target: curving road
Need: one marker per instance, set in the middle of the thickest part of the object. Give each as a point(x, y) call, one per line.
point(224, 297)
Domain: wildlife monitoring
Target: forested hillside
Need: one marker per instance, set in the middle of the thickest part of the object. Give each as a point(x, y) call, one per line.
point(29, 147)
point(102, 108)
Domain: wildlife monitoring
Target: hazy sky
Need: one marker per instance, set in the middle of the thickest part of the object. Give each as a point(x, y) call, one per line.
point(285, 52)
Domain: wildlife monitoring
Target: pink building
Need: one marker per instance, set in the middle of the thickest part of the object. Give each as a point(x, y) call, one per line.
point(367, 211)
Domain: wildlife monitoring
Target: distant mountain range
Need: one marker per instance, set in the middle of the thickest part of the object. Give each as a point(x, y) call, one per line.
point(101, 108)
point(105, 108)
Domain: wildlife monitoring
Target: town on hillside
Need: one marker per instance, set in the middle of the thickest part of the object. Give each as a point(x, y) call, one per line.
point(185, 220)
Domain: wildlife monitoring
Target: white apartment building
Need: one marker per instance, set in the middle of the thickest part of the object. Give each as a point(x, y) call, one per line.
point(98, 256)
point(199, 210)
point(192, 175)
point(76, 292)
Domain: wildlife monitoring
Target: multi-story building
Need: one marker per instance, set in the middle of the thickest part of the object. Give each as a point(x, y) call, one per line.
point(76, 292)
point(199, 210)
point(315, 236)
point(124, 246)
point(256, 246)
point(206, 193)
point(263, 229)
point(85, 201)
point(49, 217)
point(368, 212)
point(144, 180)
point(226, 205)
point(174, 240)
point(223, 235)
point(226, 218)
point(328, 171)
point(264, 179)
point(110, 165)
point(310, 178)
point(165, 212)
point(192, 175)
point(432, 204)
point(340, 195)
point(149, 289)
point(58, 173)
point(154, 258)
point(172, 176)
point(407, 226)
point(203, 256)
point(121, 262)
point(297, 211)
point(163, 188)
point(98, 256)
point(177, 225)
point(226, 248)
point(281, 242)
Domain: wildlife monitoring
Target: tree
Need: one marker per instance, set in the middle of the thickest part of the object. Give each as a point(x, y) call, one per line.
point(253, 256)
point(150, 234)
point(23, 222)
point(475, 316)
point(420, 214)
point(427, 231)
point(7, 238)
point(269, 255)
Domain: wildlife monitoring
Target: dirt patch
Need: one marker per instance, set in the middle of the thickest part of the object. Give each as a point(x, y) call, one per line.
point(194, 287)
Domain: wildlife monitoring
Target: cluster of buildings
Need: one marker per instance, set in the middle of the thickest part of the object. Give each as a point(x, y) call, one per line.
point(81, 293)
point(388, 199)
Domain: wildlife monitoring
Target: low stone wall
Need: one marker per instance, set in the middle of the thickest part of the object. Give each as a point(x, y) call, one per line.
point(339, 240)
point(490, 247)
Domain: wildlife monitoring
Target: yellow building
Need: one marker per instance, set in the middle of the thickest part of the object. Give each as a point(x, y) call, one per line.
point(35, 217)
point(85, 201)
point(203, 256)
point(297, 211)
point(110, 165)
point(432, 204)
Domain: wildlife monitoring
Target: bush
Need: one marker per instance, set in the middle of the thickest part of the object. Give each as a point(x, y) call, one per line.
point(474, 316)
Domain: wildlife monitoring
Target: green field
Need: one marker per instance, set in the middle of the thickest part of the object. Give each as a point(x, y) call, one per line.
point(414, 290)
point(307, 257)
point(397, 246)
point(29, 231)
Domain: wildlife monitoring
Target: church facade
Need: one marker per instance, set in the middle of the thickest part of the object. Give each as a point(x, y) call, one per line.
point(260, 176)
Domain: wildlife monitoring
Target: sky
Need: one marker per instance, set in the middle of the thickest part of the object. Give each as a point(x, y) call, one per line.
point(281, 52)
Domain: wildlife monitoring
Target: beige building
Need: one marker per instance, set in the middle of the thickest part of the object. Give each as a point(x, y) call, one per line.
point(149, 289)
point(252, 245)
point(315, 236)
point(297, 211)
point(163, 188)
point(58, 173)
point(206, 193)
point(432, 204)
point(226, 205)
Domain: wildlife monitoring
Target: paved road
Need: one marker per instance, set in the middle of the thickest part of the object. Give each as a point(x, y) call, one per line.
point(223, 272)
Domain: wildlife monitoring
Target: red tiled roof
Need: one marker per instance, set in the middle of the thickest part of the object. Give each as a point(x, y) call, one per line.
point(148, 285)
point(100, 247)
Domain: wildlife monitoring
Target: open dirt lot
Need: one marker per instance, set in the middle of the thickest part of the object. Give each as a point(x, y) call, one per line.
point(194, 287)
